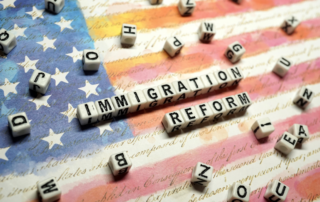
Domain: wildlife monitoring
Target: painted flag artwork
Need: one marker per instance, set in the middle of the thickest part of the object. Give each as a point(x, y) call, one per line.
point(77, 156)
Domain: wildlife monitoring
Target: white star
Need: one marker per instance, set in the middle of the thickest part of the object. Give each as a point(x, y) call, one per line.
point(28, 64)
point(103, 126)
point(64, 24)
point(89, 89)
point(71, 113)
point(76, 55)
point(3, 153)
point(19, 31)
point(35, 13)
point(47, 43)
point(7, 3)
point(41, 101)
point(60, 76)
point(53, 138)
point(8, 87)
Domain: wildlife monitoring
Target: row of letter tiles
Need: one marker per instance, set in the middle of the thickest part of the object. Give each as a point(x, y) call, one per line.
point(121, 105)
point(210, 111)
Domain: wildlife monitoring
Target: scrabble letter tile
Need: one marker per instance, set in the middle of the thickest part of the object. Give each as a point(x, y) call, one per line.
point(19, 124)
point(262, 128)
point(286, 143)
point(206, 32)
point(138, 101)
point(173, 46)
point(186, 7)
point(49, 190)
point(7, 41)
point(91, 60)
point(239, 192)
point(282, 66)
point(105, 109)
point(39, 81)
point(223, 78)
point(236, 75)
point(290, 24)
point(234, 52)
point(276, 192)
point(202, 174)
point(182, 89)
point(153, 2)
point(54, 6)
point(173, 121)
point(167, 93)
point(153, 97)
point(121, 104)
point(218, 109)
point(244, 101)
point(204, 112)
point(128, 35)
point(299, 131)
point(209, 83)
point(231, 104)
point(196, 86)
point(303, 97)
point(120, 163)
point(87, 113)
point(190, 116)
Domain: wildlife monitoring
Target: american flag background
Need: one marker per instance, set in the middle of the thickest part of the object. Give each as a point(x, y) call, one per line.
point(77, 156)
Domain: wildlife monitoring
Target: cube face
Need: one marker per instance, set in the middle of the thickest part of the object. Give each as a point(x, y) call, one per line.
point(39, 81)
point(87, 113)
point(138, 101)
point(286, 143)
point(262, 127)
point(154, 2)
point(234, 52)
point(173, 121)
point(282, 66)
point(276, 191)
point(19, 124)
point(128, 34)
point(209, 83)
point(120, 163)
point(105, 109)
point(153, 97)
point(239, 192)
point(244, 100)
point(168, 93)
point(204, 112)
point(206, 32)
point(186, 7)
point(303, 97)
point(299, 131)
point(91, 60)
point(54, 6)
point(231, 104)
point(218, 109)
point(196, 86)
point(290, 24)
point(190, 116)
point(223, 78)
point(173, 45)
point(7, 41)
point(182, 89)
point(202, 174)
point(236, 75)
point(121, 104)
point(49, 190)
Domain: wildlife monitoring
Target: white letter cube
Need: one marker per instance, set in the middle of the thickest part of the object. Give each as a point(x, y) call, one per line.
point(167, 93)
point(286, 143)
point(231, 104)
point(303, 97)
point(173, 45)
point(87, 113)
point(206, 31)
point(128, 34)
point(218, 109)
point(54, 6)
point(120, 163)
point(290, 24)
point(262, 127)
point(39, 81)
point(19, 124)
point(244, 100)
point(282, 66)
point(239, 192)
point(236, 75)
point(186, 7)
point(121, 104)
point(91, 60)
point(196, 86)
point(152, 96)
point(204, 112)
point(105, 109)
point(202, 174)
point(276, 191)
point(137, 100)
point(190, 116)
point(234, 52)
point(182, 89)
point(7, 41)
point(300, 131)
point(49, 190)
point(209, 82)
point(223, 78)
point(173, 121)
